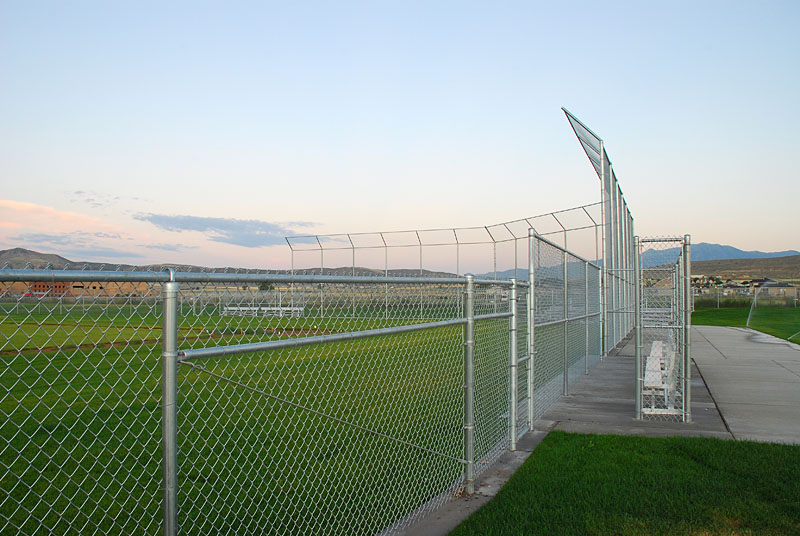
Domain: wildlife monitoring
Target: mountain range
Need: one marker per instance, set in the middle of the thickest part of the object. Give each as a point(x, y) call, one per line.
point(707, 259)
point(708, 252)
point(727, 260)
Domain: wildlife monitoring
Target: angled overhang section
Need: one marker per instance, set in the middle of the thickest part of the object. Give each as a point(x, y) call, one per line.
point(592, 143)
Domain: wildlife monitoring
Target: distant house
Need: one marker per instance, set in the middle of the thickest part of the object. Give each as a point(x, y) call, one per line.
point(770, 287)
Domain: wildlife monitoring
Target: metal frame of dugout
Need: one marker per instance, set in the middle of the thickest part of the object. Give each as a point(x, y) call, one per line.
point(663, 304)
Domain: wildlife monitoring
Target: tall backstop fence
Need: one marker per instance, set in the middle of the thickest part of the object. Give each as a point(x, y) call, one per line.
point(662, 329)
point(617, 240)
point(200, 403)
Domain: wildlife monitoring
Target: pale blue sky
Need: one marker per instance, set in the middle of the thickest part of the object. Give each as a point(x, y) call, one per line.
point(350, 116)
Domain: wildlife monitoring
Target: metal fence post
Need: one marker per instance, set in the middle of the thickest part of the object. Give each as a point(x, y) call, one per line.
point(687, 326)
point(586, 314)
point(678, 296)
point(531, 323)
point(512, 371)
point(677, 293)
point(637, 326)
point(566, 321)
point(469, 388)
point(169, 405)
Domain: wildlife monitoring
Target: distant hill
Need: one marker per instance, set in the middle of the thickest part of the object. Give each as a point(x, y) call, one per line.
point(775, 268)
point(708, 252)
point(19, 258)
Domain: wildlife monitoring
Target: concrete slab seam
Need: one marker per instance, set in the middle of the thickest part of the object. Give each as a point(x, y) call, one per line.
point(714, 400)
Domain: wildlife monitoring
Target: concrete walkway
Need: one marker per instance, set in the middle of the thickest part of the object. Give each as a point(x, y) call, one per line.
point(754, 379)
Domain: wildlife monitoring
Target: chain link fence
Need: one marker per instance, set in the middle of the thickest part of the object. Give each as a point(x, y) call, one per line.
point(346, 419)
point(196, 403)
point(80, 401)
point(617, 240)
point(663, 321)
point(567, 331)
point(351, 394)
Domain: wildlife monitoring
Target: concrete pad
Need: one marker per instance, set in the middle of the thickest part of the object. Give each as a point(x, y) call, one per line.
point(764, 422)
point(754, 379)
point(792, 366)
point(603, 403)
point(734, 373)
point(764, 393)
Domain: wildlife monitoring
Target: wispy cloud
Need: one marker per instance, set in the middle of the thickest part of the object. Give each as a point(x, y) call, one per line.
point(98, 199)
point(100, 253)
point(245, 233)
point(169, 247)
point(72, 234)
point(23, 214)
point(79, 239)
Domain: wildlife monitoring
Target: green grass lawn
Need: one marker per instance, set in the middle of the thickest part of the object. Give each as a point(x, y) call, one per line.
point(81, 429)
point(730, 316)
point(604, 484)
point(80, 397)
point(781, 322)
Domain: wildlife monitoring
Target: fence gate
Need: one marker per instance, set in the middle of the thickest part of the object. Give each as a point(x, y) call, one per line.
point(662, 323)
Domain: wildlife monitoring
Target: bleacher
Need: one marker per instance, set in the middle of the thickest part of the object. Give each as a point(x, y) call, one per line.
point(272, 311)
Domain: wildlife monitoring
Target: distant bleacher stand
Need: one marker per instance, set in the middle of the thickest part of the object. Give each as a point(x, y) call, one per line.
point(249, 310)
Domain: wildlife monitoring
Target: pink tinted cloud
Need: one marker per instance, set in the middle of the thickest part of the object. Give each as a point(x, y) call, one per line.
point(24, 215)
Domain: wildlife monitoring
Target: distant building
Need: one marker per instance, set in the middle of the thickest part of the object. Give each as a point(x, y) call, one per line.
point(54, 289)
point(770, 287)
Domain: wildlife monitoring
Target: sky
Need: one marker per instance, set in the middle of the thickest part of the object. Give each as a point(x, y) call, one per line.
point(204, 132)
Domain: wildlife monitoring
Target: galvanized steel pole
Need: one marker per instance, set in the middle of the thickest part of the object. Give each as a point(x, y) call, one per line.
point(531, 323)
point(615, 275)
point(679, 325)
point(566, 321)
point(687, 326)
point(586, 313)
point(469, 388)
point(604, 208)
point(512, 372)
point(623, 322)
point(169, 407)
point(637, 326)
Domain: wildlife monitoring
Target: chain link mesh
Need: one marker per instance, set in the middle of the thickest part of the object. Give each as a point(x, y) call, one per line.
point(359, 436)
point(567, 321)
point(595, 319)
point(548, 364)
point(80, 442)
point(306, 436)
point(524, 366)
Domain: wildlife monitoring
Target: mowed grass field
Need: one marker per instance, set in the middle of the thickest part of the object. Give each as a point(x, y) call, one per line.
point(606, 484)
point(782, 322)
point(317, 440)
